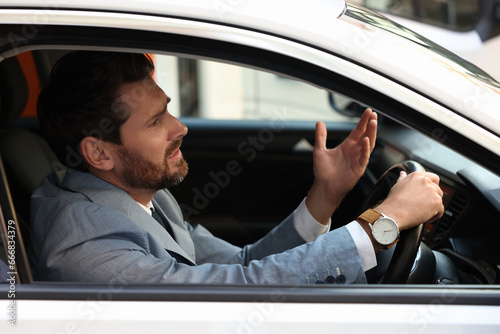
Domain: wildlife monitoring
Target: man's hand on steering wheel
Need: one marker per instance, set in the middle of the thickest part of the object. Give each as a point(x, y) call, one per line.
point(415, 199)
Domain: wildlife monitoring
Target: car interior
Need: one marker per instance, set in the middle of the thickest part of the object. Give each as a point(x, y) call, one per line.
point(274, 174)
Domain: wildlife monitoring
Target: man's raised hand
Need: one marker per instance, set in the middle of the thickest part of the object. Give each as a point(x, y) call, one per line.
point(337, 170)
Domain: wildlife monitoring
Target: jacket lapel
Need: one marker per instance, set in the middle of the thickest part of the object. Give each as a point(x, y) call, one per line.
point(181, 235)
point(104, 193)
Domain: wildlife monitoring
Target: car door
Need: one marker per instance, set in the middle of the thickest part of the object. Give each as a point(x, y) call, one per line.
point(269, 167)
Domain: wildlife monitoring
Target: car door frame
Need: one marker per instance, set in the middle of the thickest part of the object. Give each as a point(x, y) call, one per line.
point(337, 299)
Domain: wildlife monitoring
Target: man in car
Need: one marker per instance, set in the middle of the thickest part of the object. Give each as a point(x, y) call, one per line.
point(110, 217)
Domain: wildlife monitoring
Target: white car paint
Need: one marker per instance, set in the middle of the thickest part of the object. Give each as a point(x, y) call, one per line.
point(475, 98)
point(95, 317)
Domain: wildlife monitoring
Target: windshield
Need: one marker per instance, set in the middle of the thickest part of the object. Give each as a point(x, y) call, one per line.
point(449, 14)
point(458, 63)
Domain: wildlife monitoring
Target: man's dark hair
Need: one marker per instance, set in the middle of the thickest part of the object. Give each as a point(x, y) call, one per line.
point(80, 100)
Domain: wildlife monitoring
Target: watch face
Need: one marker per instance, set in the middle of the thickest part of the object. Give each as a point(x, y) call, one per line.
point(385, 231)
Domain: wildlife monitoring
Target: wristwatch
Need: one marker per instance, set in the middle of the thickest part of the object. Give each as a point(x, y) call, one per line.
point(385, 230)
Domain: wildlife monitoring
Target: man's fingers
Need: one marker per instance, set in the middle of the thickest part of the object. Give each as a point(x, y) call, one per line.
point(433, 177)
point(371, 132)
point(435, 182)
point(320, 136)
point(360, 128)
point(402, 175)
point(365, 152)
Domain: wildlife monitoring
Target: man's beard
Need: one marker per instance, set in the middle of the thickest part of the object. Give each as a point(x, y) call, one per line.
point(141, 173)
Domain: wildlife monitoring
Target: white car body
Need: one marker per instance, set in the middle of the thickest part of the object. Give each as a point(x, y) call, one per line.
point(372, 56)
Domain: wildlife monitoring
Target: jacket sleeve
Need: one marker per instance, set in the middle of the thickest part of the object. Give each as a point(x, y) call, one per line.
point(94, 244)
point(210, 249)
point(75, 239)
point(116, 258)
point(283, 239)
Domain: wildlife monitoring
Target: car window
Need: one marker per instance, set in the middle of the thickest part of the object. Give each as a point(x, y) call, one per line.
point(452, 14)
point(214, 90)
point(218, 91)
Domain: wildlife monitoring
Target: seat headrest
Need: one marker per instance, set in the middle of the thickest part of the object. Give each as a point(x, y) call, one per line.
point(13, 91)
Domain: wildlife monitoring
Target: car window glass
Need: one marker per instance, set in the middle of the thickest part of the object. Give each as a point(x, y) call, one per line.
point(452, 14)
point(214, 90)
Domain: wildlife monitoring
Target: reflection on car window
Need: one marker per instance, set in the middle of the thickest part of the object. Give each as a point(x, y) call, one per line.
point(213, 90)
point(452, 14)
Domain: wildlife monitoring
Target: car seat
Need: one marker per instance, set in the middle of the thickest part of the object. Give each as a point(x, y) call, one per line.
point(26, 156)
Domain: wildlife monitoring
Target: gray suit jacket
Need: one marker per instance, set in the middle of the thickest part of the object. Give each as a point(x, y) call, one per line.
point(85, 229)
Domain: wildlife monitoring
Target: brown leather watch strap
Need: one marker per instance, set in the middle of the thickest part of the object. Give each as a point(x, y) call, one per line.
point(370, 216)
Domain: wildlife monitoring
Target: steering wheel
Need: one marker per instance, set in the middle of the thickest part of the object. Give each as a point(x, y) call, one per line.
point(394, 264)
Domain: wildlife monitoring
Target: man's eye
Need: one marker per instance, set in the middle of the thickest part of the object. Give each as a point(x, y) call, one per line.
point(156, 122)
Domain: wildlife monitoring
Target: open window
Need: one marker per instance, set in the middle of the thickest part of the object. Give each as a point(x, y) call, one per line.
point(259, 119)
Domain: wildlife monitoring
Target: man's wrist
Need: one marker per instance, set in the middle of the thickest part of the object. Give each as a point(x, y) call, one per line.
point(363, 245)
point(306, 225)
point(366, 227)
point(392, 212)
point(320, 203)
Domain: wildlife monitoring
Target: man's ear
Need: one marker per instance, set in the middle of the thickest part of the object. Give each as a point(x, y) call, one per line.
point(96, 153)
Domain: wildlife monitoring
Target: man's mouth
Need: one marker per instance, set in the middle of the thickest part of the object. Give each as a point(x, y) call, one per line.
point(176, 155)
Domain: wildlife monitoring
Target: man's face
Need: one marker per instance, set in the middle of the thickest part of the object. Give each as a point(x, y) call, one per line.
point(149, 157)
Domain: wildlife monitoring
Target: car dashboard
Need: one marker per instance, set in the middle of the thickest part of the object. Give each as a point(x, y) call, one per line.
point(465, 239)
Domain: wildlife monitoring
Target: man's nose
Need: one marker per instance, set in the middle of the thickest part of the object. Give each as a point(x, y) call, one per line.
point(176, 129)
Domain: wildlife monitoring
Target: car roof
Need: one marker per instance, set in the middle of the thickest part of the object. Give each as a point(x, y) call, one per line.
point(240, 12)
point(366, 37)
